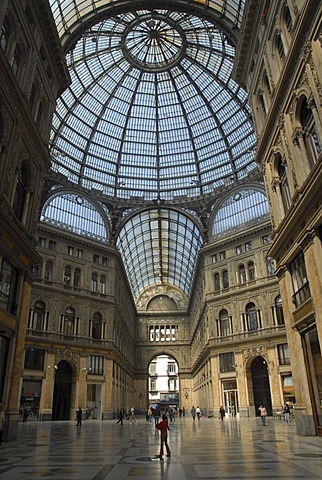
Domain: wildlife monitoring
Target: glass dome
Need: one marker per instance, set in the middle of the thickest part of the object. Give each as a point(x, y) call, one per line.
point(152, 111)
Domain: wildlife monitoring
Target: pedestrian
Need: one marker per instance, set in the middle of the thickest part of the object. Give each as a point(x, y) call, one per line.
point(287, 412)
point(163, 426)
point(198, 412)
point(156, 414)
point(183, 411)
point(180, 412)
point(222, 412)
point(149, 415)
point(79, 416)
point(2, 420)
point(193, 412)
point(263, 414)
point(25, 414)
point(120, 416)
point(132, 416)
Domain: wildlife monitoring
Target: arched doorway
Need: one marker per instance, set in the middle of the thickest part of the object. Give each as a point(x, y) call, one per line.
point(163, 382)
point(62, 391)
point(261, 387)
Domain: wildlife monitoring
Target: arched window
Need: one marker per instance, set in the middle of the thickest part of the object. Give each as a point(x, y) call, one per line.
point(103, 285)
point(311, 135)
point(251, 317)
point(49, 271)
point(21, 191)
point(224, 323)
point(97, 325)
point(77, 278)
point(284, 186)
point(5, 34)
point(39, 316)
point(94, 283)
point(266, 83)
point(279, 310)
point(242, 274)
point(217, 281)
point(287, 18)
point(67, 275)
point(270, 266)
point(68, 321)
point(251, 270)
point(225, 279)
point(261, 100)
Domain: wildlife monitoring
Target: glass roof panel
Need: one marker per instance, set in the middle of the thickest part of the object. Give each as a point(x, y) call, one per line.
point(152, 109)
point(159, 247)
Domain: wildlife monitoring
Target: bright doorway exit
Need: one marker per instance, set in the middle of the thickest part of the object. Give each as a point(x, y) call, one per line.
point(163, 382)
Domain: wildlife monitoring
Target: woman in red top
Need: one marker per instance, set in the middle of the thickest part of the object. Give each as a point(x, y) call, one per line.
point(164, 427)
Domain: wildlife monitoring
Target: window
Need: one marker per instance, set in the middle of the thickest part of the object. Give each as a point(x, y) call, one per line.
point(16, 60)
point(38, 317)
point(94, 283)
point(266, 239)
point(171, 368)
point(70, 251)
point(224, 323)
point(300, 282)
point(52, 245)
point(79, 253)
point(5, 34)
point(21, 191)
point(284, 186)
point(67, 275)
point(279, 46)
point(251, 271)
point(103, 285)
point(279, 310)
point(96, 258)
point(172, 383)
point(42, 242)
point(68, 325)
point(96, 325)
point(270, 264)
point(153, 385)
point(217, 281)
point(248, 246)
point(77, 278)
point(36, 270)
point(242, 274)
point(311, 135)
point(48, 275)
point(34, 359)
point(215, 258)
point(283, 354)
point(153, 368)
point(251, 317)
point(222, 255)
point(225, 279)
point(95, 365)
point(227, 362)
point(104, 261)
point(238, 249)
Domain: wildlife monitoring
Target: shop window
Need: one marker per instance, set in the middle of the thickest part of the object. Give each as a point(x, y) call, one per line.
point(227, 362)
point(34, 359)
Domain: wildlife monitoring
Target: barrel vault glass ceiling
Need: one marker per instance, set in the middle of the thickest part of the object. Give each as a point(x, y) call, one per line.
point(152, 112)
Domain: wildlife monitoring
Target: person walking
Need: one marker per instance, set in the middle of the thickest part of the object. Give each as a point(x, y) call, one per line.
point(120, 416)
point(132, 416)
point(198, 412)
point(163, 426)
point(287, 412)
point(193, 412)
point(2, 420)
point(79, 416)
point(25, 414)
point(222, 412)
point(263, 414)
point(156, 414)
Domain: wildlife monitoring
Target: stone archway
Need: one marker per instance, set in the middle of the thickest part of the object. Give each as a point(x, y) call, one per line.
point(62, 391)
point(260, 384)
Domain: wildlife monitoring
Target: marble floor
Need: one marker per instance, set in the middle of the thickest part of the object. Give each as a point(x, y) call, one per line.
point(205, 449)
